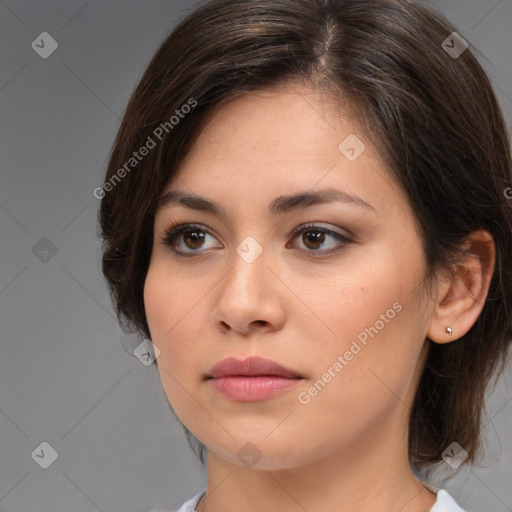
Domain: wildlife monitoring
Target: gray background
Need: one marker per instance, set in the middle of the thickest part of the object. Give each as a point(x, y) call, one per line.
point(65, 376)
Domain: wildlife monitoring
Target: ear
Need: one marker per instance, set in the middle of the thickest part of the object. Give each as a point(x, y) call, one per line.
point(461, 295)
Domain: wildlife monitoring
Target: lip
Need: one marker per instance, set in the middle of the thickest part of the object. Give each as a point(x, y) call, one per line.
point(251, 379)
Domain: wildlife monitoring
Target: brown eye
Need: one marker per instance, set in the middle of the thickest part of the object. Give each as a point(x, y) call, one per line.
point(313, 239)
point(319, 241)
point(188, 239)
point(193, 239)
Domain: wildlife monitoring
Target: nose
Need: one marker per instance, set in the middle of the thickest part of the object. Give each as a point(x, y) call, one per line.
point(249, 298)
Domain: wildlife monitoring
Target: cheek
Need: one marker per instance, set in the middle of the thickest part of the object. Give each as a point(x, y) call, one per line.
point(359, 387)
point(169, 300)
point(171, 311)
point(367, 300)
point(164, 307)
point(379, 329)
point(156, 303)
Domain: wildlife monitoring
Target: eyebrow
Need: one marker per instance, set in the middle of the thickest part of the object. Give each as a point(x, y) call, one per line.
point(279, 205)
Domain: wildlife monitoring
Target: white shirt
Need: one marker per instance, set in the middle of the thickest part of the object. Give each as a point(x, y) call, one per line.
point(444, 503)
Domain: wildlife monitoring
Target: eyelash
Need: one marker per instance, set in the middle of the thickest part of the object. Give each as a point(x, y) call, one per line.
point(173, 231)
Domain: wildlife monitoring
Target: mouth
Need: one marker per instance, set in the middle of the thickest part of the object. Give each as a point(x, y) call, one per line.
point(251, 379)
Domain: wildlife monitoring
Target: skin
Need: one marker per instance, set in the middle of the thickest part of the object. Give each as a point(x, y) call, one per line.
point(346, 449)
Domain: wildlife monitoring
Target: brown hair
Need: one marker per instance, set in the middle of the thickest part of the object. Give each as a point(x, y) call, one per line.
point(433, 116)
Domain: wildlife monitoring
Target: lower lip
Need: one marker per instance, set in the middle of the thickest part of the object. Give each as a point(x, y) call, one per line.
point(252, 389)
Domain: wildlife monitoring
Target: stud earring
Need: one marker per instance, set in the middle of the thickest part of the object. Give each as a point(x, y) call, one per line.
point(449, 330)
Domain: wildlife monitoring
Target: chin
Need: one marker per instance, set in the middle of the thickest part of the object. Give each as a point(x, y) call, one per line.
point(256, 452)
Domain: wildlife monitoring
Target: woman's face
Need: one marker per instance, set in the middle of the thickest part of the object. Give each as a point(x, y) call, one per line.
point(330, 287)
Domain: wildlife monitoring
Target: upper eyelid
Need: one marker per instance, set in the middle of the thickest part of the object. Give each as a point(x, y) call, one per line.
point(318, 225)
point(180, 228)
point(306, 225)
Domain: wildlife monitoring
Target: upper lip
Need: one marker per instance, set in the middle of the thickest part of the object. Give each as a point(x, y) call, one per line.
point(250, 367)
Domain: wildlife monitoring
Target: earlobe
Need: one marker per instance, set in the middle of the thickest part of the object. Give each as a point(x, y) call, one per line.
point(461, 297)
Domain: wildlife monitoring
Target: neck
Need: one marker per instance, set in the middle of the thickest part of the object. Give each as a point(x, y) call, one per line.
point(373, 475)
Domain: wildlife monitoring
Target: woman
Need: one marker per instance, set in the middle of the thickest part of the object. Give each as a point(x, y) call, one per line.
point(305, 210)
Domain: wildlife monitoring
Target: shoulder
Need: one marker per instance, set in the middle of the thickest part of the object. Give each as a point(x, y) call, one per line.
point(188, 506)
point(445, 503)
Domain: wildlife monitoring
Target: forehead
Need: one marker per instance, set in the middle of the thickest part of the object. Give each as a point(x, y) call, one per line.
point(289, 120)
point(270, 143)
